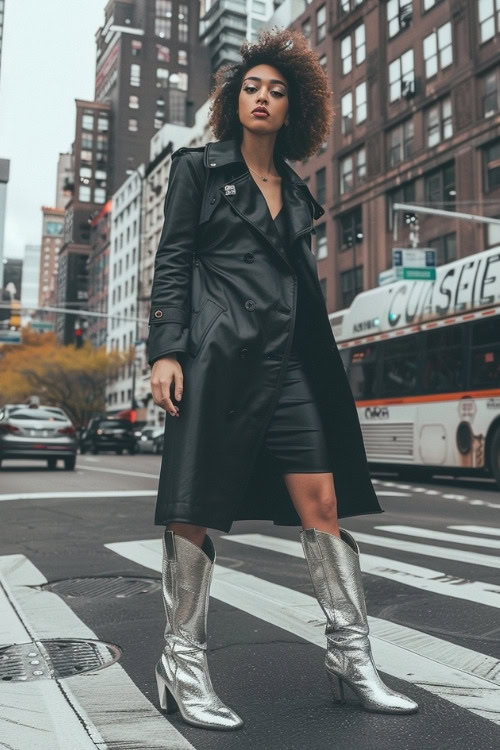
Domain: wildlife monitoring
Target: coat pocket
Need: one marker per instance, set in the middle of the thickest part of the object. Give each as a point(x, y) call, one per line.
point(201, 323)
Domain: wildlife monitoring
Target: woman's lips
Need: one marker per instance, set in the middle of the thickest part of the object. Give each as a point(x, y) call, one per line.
point(260, 113)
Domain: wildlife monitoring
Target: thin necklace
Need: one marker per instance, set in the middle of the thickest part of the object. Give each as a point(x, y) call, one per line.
point(265, 179)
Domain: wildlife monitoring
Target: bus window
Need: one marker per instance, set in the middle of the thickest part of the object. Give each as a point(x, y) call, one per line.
point(399, 367)
point(362, 371)
point(443, 364)
point(485, 356)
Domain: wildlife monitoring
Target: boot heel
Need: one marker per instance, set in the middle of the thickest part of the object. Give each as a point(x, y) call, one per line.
point(337, 687)
point(167, 700)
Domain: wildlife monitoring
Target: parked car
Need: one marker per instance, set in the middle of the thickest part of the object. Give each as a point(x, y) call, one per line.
point(109, 434)
point(40, 432)
point(151, 439)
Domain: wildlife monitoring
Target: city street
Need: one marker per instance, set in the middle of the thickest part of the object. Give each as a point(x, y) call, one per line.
point(431, 568)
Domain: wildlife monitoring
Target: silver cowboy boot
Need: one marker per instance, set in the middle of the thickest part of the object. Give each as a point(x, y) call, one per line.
point(182, 674)
point(336, 576)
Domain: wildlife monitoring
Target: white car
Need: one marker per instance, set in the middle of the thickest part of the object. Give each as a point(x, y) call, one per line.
point(151, 440)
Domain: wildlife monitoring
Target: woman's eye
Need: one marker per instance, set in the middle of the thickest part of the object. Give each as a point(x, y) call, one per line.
point(280, 93)
point(247, 88)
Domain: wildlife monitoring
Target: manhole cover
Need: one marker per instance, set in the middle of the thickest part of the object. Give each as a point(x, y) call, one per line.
point(118, 586)
point(55, 659)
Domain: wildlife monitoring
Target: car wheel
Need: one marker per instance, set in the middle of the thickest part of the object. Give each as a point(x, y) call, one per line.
point(52, 463)
point(70, 463)
point(95, 450)
point(495, 457)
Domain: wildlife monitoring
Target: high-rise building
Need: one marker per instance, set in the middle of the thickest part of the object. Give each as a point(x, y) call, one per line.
point(416, 89)
point(98, 261)
point(13, 276)
point(51, 243)
point(152, 70)
point(225, 24)
point(31, 275)
point(65, 179)
point(4, 181)
point(89, 193)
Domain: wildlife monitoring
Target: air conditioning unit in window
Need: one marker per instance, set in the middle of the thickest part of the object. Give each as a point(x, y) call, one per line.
point(408, 89)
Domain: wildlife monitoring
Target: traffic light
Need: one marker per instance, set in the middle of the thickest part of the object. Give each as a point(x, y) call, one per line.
point(79, 338)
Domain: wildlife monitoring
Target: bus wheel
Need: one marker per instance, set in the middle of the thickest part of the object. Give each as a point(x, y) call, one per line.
point(495, 457)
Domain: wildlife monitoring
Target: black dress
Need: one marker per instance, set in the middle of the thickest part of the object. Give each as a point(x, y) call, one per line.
point(295, 435)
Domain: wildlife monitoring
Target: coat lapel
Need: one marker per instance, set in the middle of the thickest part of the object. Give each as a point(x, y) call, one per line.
point(249, 202)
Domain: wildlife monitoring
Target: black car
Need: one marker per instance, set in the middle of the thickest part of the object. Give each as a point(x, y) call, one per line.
point(109, 434)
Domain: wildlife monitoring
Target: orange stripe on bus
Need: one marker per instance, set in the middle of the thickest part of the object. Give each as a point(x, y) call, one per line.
point(432, 397)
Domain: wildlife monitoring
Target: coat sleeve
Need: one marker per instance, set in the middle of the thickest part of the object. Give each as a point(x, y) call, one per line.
point(170, 311)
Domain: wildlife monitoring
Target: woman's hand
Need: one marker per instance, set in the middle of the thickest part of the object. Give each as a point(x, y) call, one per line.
point(166, 371)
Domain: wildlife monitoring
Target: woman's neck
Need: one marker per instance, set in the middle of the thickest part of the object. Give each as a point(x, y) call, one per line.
point(258, 150)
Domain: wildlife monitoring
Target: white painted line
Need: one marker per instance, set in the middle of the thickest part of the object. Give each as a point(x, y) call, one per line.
point(424, 579)
point(389, 493)
point(441, 536)
point(77, 494)
point(477, 529)
point(429, 550)
point(461, 676)
point(120, 471)
point(102, 709)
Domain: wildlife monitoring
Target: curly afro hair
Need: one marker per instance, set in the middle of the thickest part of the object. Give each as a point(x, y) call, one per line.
point(310, 98)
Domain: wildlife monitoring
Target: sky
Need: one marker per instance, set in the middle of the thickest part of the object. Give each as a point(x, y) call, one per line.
point(48, 61)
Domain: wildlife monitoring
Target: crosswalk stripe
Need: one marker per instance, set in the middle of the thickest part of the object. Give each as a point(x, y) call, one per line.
point(418, 577)
point(457, 674)
point(441, 536)
point(79, 494)
point(477, 529)
point(44, 714)
point(429, 550)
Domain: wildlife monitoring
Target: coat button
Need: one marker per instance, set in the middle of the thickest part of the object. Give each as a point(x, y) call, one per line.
point(250, 304)
point(158, 314)
point(243, 353)
point(249, 257)
point(212, 200)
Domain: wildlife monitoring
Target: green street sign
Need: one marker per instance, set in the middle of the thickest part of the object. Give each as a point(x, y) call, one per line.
point(420, 274)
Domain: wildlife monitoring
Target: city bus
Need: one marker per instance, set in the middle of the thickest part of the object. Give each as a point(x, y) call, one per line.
point(423, 362)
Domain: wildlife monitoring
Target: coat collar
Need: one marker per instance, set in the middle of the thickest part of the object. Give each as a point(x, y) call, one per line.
point(247, 199)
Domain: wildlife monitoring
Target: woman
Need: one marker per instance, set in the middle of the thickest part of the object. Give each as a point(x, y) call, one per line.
point(262, 423)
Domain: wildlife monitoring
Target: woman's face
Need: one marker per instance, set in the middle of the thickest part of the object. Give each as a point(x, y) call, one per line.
point(263, 86)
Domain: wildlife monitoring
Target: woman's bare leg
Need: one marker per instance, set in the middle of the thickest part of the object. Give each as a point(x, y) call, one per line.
point(194, 533)
point(313, 496)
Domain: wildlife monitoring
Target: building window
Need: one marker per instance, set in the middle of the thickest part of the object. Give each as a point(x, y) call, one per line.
point(99, 195)
point(180, 81)
point(182, 27)
point(86, 156)
point(352, 170)
point(133, 125)
point(321, 245)
point(102, 123)
point(402, 194)
point(162, 53)
point(320, 23)
point(360, 43)
point(161, 78)
point(401, 76)
point(491, 156)
point(84, 193)
point(440, 186)
point(346, 54)
point(489, 19)
point(177, 107)
point(182, 58)
point(438, 50)
point(401, 143)
point(307, 28)
point(446, 248)
point(492, 233)
point(490, 93)
point(361, 112)
point(361, 165)
point(399, 15)
point(88, 122)
point(87, 140)
point(133, 102)
point(323, 62)
point(347, 5)
point(351, 229)
point(321, 185)
point(136, 47)
point(347, 113)
point(351, 284)
point(439, 122)
point(135, 74)
point(163, 27)
point(86, 173)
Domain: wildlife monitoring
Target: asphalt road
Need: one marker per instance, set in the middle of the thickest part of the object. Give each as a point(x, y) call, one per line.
point(431, 568)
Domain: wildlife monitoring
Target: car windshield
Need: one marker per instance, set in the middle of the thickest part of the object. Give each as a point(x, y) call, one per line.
point(38, 414)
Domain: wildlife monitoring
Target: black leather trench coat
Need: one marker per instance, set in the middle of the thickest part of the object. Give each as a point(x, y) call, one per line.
point(226, 296)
